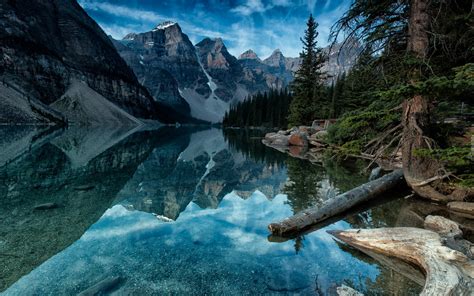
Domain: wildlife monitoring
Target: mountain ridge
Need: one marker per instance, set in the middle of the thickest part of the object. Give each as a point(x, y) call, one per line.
point(46, 45)
point(212, 78)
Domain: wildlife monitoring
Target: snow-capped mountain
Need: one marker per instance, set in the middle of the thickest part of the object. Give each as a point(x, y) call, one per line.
point(203, 80)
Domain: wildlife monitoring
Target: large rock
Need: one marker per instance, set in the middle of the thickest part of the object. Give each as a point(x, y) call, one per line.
point(165, 60)
point(298, 139)
point(277, 139)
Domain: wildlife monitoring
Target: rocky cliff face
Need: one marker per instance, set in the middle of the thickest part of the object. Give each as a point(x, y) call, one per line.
point(341, 58)
point(165, 61)
point(44, 45)
point(223, 67)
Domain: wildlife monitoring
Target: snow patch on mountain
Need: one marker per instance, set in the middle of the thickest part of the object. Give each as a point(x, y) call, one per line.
point(164, 25)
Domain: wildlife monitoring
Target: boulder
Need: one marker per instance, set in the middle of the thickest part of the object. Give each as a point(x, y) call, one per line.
point(270, 135)
point(298, 139)
point(277, 139)
point(281, 141)
point(292, 130)
point(297, 151)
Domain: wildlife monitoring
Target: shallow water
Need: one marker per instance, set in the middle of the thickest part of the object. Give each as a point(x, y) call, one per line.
point(175, 211)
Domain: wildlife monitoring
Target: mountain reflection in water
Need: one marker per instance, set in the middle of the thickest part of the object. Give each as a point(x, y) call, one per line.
point(218, 191)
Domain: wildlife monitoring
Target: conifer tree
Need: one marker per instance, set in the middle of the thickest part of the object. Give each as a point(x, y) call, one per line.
point(308, 88)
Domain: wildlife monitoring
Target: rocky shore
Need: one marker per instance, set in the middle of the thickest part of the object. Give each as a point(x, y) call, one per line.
point(305, 142)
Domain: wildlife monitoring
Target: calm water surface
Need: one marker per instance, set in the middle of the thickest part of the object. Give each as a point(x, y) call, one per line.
point(175, 212)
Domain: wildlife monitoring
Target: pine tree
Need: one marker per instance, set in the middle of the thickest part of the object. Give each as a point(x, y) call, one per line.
point(308, 88)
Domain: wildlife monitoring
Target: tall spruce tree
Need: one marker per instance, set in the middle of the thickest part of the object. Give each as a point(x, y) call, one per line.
point(308, 88)
point(422, 32)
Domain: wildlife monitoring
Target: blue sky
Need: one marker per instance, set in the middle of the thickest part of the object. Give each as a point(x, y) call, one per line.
point(261, 25)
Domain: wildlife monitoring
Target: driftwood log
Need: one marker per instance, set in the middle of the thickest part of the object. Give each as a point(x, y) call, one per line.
point(445, 257)
point(338, 205)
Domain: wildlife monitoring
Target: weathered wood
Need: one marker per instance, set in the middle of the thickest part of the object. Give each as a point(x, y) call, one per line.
point(462, 207)
point(344, 290)
point(337, 205)
point(443, 226)
point(448, 271)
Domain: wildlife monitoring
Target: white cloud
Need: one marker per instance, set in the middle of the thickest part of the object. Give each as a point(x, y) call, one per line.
point(250, 7)
point(257, 6)
point(146, 21)
point(122, 11)
point(243, 34)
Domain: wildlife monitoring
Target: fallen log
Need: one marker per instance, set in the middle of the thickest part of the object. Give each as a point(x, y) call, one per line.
point(338, 205)
point(448, 270)
point(462, 207)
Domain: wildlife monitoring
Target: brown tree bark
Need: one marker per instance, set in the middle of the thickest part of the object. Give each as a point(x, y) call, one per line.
point(338, 205)
point(417, 114)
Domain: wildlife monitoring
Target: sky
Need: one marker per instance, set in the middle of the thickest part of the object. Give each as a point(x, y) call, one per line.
point(260, 25)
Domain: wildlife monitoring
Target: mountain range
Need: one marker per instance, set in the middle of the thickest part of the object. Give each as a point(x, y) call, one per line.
point(57, 66)
point(205, 79)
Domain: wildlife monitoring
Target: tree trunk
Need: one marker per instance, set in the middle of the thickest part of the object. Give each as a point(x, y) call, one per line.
point(338, 205)
point(416, 113)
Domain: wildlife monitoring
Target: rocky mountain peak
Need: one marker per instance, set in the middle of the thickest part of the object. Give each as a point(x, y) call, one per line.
point(130, 36)
point(276, 59)
point(165, 25)
point(214, 54)
point(249, 55)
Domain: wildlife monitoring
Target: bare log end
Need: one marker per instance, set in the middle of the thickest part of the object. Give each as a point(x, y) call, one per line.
point(275, 229)
point(346, 236)
point(336, 206)
point(462, 207)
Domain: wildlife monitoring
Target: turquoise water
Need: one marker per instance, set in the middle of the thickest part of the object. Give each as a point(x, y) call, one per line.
point(174, 212)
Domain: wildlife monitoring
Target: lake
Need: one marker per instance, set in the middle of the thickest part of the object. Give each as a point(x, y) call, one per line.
point(177, 211)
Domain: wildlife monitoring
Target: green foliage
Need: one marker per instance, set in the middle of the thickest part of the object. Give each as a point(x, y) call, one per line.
point(461, 83)
point(261, 110)
point(458, 160)
point(309, 93)
point(356, 128)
